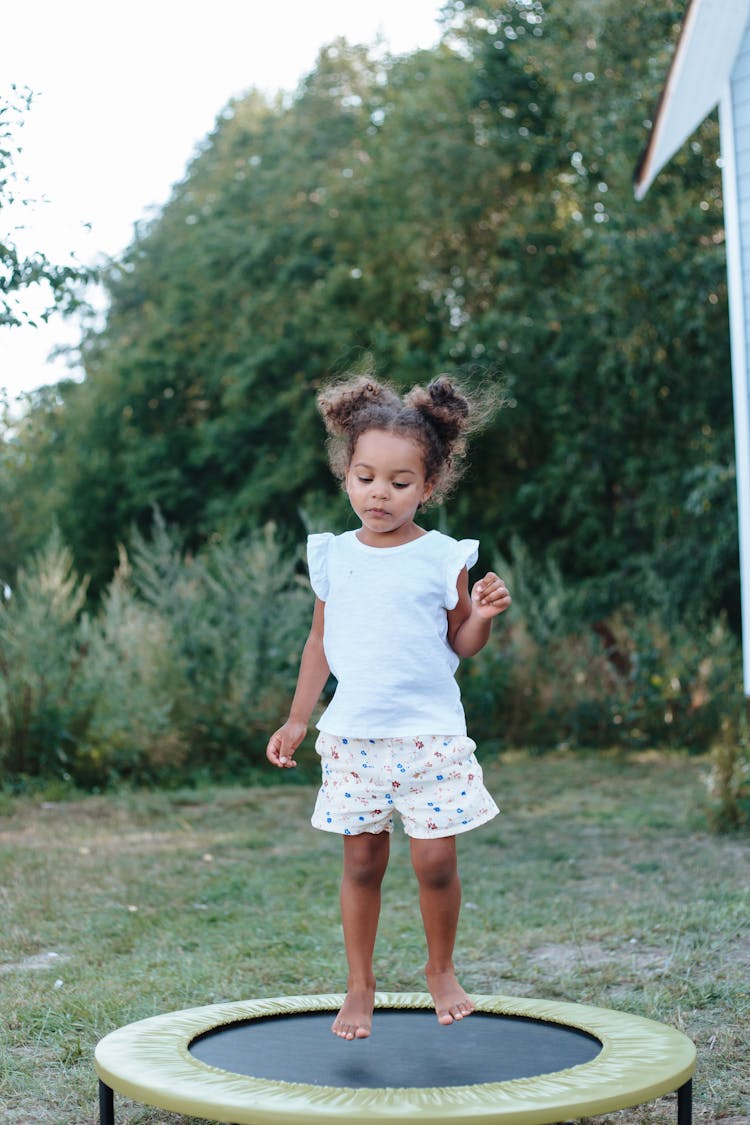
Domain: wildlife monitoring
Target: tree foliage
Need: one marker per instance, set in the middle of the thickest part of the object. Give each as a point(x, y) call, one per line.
point(468, 207)
point(18, 271)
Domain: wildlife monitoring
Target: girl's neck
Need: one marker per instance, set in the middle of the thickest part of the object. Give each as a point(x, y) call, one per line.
point(406, 533)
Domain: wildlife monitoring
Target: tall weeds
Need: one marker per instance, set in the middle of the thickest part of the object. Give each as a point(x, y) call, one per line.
point(235, 618)
point(185, 667)
point(43, 715)
point(728, 779)
point(189, 661)
point(130, 681)
point(555, 677)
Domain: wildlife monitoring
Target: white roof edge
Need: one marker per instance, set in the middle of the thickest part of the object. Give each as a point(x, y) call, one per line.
point(701, 66)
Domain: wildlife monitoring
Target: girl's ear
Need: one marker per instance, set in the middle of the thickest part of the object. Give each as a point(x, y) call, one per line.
point(429, 488)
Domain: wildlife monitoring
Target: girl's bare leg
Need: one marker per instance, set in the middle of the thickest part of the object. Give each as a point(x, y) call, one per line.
point(365, 862)
point(436, 867)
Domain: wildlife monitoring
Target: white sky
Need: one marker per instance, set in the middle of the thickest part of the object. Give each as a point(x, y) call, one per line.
point(123, 94)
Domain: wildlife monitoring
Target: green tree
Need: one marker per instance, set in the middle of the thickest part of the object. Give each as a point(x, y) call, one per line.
point(31, 452)
point(33, 455)
point(612, 314)
point(460, 207)
point(19, 271)
point(290, 247)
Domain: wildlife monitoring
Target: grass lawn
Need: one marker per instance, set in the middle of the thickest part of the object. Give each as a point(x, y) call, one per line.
point(599, 883)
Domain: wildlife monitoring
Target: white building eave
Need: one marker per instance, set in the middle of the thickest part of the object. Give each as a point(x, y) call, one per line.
point(701, 66)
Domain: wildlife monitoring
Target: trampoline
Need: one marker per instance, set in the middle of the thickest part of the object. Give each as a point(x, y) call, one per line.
point(275, 1062)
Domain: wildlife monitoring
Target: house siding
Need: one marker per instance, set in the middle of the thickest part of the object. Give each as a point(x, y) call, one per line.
point(740, 97)
point(735, 143)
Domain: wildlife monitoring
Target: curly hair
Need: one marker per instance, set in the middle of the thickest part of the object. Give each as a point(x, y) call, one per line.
point(438, 418)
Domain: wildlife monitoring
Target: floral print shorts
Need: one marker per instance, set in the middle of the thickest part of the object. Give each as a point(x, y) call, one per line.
point(434, 783)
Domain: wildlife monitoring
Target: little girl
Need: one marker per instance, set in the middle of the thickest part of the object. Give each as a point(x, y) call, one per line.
point(392, 616)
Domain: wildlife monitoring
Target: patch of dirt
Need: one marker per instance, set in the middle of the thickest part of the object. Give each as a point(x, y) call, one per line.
point(590, 954)
point(48, 960)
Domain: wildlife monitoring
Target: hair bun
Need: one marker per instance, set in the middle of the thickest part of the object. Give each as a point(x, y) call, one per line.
point(340, 404)
point(446, 409)
point(443, 393)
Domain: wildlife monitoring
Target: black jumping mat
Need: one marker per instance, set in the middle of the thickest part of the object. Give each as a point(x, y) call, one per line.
point(407, 1048)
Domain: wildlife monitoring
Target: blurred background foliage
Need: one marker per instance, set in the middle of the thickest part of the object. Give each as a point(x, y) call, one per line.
point(465, 209)
point(60, 285)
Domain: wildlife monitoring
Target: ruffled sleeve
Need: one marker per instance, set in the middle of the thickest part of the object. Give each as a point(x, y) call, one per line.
point(317, 562)
point(463, 553)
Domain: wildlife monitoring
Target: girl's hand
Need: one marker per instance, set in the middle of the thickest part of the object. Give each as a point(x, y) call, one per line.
point(283, 743)
point(490, 596)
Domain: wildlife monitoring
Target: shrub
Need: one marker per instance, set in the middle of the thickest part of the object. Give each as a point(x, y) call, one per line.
point(729, 778)
point(130, 681)
point(186, 667)
point(541, 681)
point(190, 661)
point(235, 619)
point(551, 676)
point(680, 680)
point(42, 711)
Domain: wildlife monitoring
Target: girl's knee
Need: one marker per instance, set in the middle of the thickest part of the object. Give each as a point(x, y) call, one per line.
point(435, 862)
point(366, 857)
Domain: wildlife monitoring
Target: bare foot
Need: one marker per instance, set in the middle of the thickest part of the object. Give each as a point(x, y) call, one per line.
point(450, 1000)
point(354, 1021)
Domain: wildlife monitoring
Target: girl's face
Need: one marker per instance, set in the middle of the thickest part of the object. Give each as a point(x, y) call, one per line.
point(386, 484)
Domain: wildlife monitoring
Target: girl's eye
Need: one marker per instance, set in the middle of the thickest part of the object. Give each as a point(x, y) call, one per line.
point(364, 480)
point(400, 484)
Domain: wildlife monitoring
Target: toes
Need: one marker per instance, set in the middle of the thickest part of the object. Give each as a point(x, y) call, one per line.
point(351, 1031)
point(456, 1012)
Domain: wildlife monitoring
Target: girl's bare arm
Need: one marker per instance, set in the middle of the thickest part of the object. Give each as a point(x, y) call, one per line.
point(470, 622)
point(313, 673)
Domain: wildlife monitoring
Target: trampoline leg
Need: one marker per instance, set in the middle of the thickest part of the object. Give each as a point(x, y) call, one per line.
point(685, 1103)
point(106, 1104)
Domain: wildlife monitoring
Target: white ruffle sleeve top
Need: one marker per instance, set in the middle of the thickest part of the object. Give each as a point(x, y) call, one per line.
point(386, 633)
